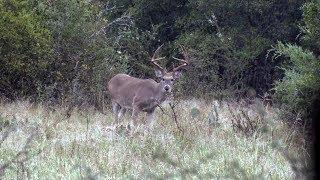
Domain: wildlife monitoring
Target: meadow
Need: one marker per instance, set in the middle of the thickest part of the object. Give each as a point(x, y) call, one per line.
point(208, 140)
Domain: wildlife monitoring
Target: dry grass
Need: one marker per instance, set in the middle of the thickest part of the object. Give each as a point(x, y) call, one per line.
point(86, 145)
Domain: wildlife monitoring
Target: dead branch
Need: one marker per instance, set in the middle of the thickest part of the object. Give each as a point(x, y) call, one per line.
point(174, 117)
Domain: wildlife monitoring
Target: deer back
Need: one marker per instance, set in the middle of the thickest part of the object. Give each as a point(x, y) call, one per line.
point(124, 89)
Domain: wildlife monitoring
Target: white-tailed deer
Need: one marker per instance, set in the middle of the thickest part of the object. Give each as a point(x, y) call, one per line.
point(143, 95)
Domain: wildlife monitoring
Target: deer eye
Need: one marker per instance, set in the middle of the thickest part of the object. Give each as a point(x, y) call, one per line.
point(171, 79)
point(163, 79)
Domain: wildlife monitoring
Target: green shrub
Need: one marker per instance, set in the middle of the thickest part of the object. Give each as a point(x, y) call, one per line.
point(311, 28)
point(83, 55)
point(301, 84)
point(25, 44)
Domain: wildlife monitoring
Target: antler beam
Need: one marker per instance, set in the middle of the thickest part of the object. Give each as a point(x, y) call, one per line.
point(153, 59)
point(185, 60)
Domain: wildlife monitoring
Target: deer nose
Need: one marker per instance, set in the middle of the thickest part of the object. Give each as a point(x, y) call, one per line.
point(167, 88)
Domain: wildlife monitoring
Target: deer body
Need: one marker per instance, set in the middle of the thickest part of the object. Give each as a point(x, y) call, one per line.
point(142, 95)
point(129, 92)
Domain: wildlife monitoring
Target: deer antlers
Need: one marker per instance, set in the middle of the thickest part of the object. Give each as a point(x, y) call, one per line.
point(153, 60)
point(185, 60)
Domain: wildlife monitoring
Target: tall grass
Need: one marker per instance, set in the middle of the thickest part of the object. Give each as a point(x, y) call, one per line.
point(47, 144)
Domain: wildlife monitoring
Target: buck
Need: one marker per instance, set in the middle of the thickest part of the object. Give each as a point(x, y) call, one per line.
point(144, 95)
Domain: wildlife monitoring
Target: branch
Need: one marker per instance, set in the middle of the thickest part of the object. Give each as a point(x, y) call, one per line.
point(118, 20)
point(174, 116)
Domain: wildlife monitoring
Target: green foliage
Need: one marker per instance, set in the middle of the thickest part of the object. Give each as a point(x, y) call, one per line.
point(311, 28)
point(83, 58)
point(25, 43)
point(227, 40)
point(62, 48)
point(230, 40)
point(223, 70)
point(301, 84)
point(51, 50)
point(135, 45)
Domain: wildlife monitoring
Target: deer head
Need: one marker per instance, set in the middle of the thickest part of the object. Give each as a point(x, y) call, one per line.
point(167, 78)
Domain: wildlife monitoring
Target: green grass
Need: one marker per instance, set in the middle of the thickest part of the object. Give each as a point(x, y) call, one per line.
point(86, 145)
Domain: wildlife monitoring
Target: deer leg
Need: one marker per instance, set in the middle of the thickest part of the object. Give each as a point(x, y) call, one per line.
point(135, 114)
point(150, 119)
point(121, 112)
point(116, 107)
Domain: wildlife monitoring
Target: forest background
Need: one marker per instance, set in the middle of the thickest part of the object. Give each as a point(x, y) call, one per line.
point(66, 51)
point(57, 50)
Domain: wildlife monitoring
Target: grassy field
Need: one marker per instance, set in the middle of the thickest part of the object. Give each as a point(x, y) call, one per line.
point(228, 142)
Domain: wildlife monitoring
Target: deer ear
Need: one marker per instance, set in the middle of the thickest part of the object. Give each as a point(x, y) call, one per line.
point(177, 74)
point(159, 73)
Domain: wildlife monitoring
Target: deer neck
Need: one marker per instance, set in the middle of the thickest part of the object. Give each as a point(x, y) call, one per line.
point(161, 95)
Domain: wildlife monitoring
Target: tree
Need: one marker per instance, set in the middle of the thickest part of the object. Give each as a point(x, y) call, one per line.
point(25, 45)
point(83, 54)
point(301, 84)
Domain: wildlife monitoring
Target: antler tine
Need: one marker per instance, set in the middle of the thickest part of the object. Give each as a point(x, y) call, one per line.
point(157, 51)
point(185, 60)
point(182, 60)
point(153, 58)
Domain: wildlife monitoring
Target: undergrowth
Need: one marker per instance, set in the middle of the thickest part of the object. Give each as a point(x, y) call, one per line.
point(226, 140)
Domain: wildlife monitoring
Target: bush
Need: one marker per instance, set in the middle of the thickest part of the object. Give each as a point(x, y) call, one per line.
point(55, 50)
point(311, 28)
point(83, 57)
point(25, 44)
point(301, 84)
